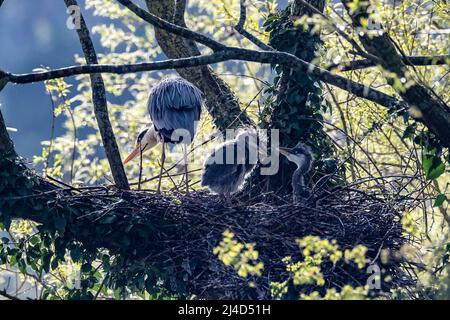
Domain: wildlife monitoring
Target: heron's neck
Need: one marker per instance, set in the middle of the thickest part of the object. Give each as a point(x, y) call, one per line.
point(298, 180)
point(299, 190)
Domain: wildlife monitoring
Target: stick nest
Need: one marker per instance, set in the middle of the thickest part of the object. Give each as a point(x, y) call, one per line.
point(172, 237)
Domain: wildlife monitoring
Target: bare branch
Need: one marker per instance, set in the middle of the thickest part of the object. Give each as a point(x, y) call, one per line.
point(101, 106)
point(409, 60)
point(269, 57)
point(3, 292)
point(342, 33)
point(172, 28)
point(431, 109)
point(240, 28)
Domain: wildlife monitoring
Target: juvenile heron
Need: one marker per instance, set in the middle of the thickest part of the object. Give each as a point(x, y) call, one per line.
point(302, 156)
point(175, 106)
point(227, 167)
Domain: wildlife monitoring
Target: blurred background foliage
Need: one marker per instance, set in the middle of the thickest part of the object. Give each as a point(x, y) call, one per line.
point(373, 144)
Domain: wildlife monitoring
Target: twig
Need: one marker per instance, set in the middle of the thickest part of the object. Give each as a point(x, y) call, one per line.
point(240, 28)
point(3, 292)
point(172, 28)
point(409, 60)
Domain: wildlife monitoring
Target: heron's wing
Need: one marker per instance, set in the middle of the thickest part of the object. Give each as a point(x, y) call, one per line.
point(175, 104)
point(223, 177)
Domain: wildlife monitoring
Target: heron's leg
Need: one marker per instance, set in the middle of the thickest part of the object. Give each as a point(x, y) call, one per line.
point(163, 159)
point(186, 173)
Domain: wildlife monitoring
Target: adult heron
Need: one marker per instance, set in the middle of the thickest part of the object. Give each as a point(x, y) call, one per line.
point(175, 107)
point(302, 156)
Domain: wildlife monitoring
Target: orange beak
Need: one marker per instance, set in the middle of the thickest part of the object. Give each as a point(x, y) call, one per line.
point(132, 155)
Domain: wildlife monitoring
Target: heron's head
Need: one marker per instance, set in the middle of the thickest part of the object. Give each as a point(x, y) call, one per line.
point(300, 154)
point(146, 140)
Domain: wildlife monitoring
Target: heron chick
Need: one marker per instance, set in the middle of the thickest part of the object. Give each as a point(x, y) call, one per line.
point(227, 167)
point(302, 156)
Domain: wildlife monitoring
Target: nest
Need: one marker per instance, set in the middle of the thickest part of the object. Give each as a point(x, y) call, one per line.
point(186, 228)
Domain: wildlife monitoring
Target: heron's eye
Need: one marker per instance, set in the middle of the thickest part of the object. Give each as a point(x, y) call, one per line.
point(141, 135)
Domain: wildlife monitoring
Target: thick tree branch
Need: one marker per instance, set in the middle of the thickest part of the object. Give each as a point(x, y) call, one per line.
point(6, 144)
point(409, 61)
point(428, 107)
point(276, 57)
point(101, 106)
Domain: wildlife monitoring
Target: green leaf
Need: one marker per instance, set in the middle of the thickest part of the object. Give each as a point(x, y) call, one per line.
point(433, 166)
point(439, 200)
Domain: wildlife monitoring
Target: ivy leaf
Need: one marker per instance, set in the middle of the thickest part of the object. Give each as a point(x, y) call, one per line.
point(433, 166)
point(439, 200)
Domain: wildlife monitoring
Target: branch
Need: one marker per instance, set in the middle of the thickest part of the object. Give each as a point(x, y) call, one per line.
point(101, 106)
point(3, 292)
point(240, 28)
point(6, 144)
point(265, 57)
point(430, 108)
point(341, 32)
point(172, 28)
point(231, 53)
point(409, 60)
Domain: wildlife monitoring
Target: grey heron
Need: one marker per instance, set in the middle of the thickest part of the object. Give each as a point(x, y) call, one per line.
point(302, 156)
point(227, 167)
point(175, 107)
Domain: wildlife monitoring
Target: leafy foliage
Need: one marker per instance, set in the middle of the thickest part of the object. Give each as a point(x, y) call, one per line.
point(243, 258)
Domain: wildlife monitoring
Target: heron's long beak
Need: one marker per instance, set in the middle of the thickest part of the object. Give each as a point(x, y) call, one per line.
point(285, 151)
point(132, 155)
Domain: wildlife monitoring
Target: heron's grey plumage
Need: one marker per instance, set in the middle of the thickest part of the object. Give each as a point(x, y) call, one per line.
point(226, 178)
point(175, 104)
point(303, 158)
